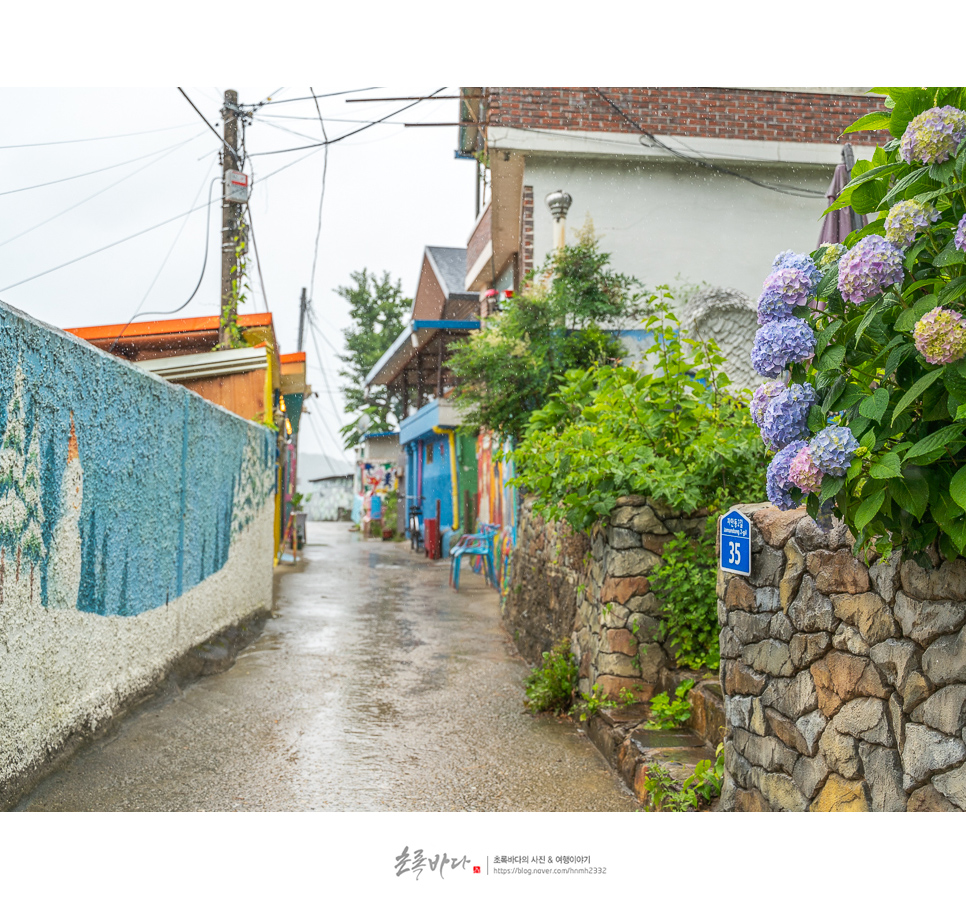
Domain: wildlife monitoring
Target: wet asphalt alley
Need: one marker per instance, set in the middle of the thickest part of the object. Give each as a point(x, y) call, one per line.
point(375, 687)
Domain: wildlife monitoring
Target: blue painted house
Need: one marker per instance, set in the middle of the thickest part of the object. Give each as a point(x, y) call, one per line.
point(440, 464)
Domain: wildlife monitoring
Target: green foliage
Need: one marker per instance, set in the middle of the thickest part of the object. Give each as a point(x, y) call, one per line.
point(377, 311)
point(906, 486)
point(390, 511)
point(685, 583)
point(698, 790)
point(239, 286)
point(673, 433)
point(596, 700)
point(551, 687)
point(667, 713)
point(511, 367)
point(298, 500)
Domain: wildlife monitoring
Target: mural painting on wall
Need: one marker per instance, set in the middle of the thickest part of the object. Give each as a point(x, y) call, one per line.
point(79, 529)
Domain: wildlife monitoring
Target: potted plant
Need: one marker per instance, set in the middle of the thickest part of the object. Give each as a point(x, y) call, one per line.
point(390, 515)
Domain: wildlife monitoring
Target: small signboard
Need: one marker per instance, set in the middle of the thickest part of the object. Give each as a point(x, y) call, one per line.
point(236, 186)
point(734, 531)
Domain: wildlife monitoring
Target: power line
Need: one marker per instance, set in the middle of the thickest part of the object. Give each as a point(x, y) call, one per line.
point(204, 266)
point(85, 140)
point(234, 152)
point(93, 172)
point(106, 188)
point(344, 92)
point(325, 169)
point(342, 137)
point(258, 261)
point(655, 141)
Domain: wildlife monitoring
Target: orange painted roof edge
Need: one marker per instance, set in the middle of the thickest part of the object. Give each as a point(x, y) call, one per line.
point(292, 358)
point(166, 326)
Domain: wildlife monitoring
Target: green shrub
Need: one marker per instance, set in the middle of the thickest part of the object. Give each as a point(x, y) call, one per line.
point(685, 584)
point(550, 688)
point(667, 713)
point(675, 434)
point(700, 788)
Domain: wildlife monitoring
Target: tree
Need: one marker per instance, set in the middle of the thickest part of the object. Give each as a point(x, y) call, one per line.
point(511, 368)
point(378, 311)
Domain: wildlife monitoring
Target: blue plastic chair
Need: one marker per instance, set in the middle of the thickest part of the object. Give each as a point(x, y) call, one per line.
point(472, 544)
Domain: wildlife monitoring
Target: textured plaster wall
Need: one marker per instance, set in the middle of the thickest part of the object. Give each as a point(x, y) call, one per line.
point(135, 522)
point(845, 684)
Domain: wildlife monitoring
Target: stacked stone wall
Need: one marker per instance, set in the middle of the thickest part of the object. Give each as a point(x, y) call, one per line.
point(845, 684)
point(596, 590)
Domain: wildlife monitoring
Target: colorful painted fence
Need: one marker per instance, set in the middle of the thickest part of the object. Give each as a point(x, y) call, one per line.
point(135, 522)
point(497, 501)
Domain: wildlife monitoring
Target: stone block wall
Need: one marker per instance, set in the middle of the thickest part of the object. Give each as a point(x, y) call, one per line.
point(845, 684)
point(597, 591)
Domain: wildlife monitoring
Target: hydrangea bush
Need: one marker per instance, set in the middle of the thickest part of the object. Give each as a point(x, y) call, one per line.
point(870, 336)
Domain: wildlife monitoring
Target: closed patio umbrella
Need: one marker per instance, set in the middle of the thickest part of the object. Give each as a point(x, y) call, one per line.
point(839, 224)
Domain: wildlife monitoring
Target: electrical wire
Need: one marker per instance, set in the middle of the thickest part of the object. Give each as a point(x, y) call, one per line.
point(344, 92)
point(655, 141)
point(325, 169)
point(85, 140)
point(93, 172)
point(342, 137)
point(200, 277)
point(106, 188)
point(231, 149)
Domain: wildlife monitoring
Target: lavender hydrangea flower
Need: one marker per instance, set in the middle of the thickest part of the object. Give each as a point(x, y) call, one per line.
point(832, 449)
point(786, 417)
point(777, 483)
point(867, 269)
point(763, 396)
point(804, 472)
point(784, 289)
point(959, 241)
point(778, 344)
point(940, 336)
point(933, 136)
point(829, 254)
point(804, 263)
point(905, 219)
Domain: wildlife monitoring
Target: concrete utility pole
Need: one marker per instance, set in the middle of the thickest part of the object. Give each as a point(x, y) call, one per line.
point(230, 215)
point(303, 306)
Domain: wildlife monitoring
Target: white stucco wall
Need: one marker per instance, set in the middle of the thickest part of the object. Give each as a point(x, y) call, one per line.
point(63, 670)
point(671, 224)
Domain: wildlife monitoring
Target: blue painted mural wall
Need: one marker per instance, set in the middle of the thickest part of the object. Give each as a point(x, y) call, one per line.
point(162, 480)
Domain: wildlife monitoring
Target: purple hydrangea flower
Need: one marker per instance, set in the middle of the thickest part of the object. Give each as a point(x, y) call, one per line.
point(778, 344)
point(933, 136)
point(763, 396)
point(832, 449)
point(869, 268)
point(804, 473)
point(772, 306)
point(829, 254)
point(777, 483)
point(786, 417)
point(804, 263)
point(940, 336)
point(959, 241)
point(905, 219)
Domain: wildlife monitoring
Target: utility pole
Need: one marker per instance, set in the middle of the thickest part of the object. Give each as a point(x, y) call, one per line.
point(230, 216)
point(303, 306)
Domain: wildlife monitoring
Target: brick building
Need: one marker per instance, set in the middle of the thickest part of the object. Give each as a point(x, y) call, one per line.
point(683, 184)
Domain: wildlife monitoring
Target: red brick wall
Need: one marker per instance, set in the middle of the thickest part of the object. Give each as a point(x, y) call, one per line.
point(767, 115)
point(482, 235)
point(526, 234)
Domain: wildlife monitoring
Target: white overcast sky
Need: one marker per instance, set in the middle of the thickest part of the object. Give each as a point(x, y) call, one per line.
point(390, 191)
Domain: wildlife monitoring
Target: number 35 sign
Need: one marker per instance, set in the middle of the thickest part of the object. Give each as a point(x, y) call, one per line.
point(735, 540)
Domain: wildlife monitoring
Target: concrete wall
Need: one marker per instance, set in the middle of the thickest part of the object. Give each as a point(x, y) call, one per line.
point(668, 224)
point(135, 522)
point(845, 685)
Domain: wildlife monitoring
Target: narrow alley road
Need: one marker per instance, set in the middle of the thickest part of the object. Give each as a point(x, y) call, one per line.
point(375, 688)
